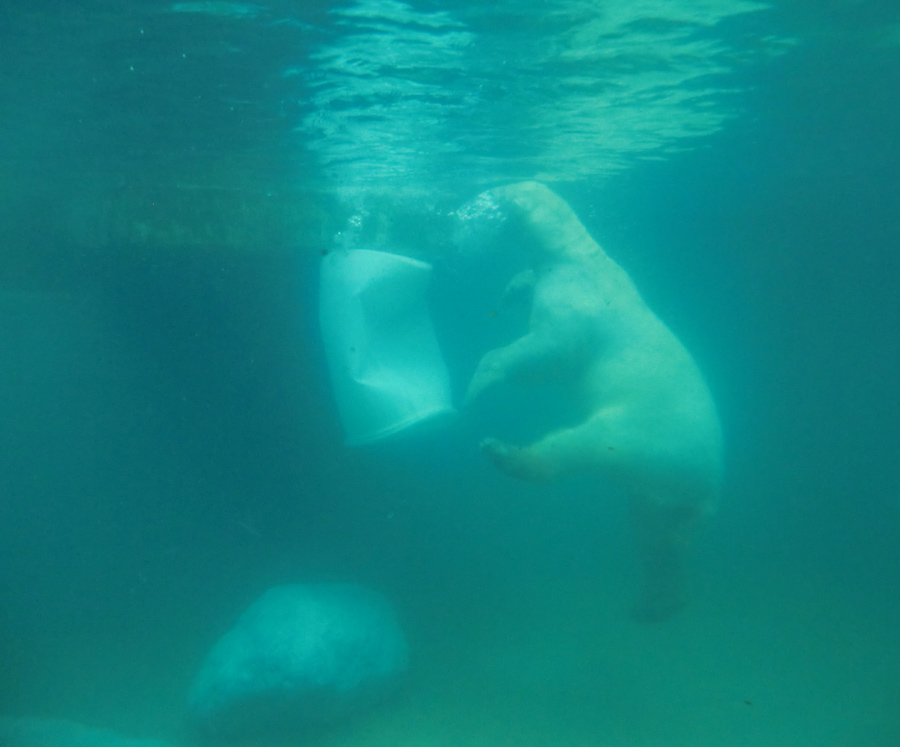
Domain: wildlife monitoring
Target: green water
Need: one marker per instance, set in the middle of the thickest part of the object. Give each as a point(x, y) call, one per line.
point(170, 175)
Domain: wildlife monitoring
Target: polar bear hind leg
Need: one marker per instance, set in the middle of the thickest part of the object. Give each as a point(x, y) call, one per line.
point(663, 534)
point(663, 522)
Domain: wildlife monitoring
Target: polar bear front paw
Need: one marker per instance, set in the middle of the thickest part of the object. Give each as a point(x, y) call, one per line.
point(516, 461)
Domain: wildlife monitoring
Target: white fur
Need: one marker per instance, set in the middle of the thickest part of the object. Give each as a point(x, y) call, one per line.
point(650, 421)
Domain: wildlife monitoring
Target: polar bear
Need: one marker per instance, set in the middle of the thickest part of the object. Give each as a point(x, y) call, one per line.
point(650, 423)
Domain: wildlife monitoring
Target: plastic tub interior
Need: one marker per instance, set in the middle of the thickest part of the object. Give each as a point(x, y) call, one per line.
point(386, 367)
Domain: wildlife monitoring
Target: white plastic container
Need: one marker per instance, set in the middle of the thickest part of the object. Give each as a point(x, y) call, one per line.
point(386, 367)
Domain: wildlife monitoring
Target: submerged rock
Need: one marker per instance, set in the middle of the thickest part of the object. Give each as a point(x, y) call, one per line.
point(300, 656)
point(47, 732)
